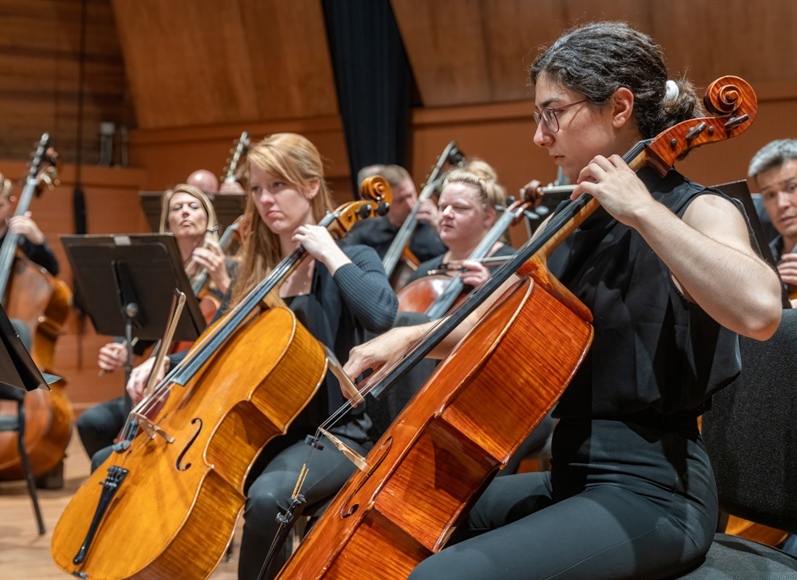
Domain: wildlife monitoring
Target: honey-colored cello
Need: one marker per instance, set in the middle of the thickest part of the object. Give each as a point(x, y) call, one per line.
point(465, 423)
point(41, 302)
point(165, 504)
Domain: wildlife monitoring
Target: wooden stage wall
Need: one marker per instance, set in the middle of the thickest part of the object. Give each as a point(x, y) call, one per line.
point(264, 66)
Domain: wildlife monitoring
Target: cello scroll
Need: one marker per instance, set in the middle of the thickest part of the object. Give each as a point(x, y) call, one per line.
point(373, 189)
point(734, 104)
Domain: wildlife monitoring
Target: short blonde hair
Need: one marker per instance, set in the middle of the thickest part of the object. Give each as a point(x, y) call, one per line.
point(193, 191)
point(491, 193)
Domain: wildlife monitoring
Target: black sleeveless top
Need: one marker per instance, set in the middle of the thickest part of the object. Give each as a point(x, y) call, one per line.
point(653, 350)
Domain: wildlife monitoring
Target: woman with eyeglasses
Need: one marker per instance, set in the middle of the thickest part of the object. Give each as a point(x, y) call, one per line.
point(667, 270)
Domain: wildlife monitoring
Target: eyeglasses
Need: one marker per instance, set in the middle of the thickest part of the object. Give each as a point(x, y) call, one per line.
point(549, 115)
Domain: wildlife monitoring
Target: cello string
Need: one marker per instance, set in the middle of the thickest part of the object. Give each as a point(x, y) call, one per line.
point(555, 223)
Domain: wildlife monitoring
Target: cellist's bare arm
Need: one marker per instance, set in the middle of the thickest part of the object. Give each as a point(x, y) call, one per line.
point(390, 345)
point(708, 252)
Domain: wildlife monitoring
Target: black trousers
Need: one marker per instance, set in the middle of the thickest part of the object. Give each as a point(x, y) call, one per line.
point(623, 500)
point(100, 425)
point(270, 491)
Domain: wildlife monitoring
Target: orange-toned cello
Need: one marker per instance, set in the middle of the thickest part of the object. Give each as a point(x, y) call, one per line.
point(435, 295)
point(243, 382)
point(453, 437)
point(41, 301)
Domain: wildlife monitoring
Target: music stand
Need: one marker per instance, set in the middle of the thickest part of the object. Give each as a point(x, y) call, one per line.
point(128, 282)
point(228, 207)
point(17, 368)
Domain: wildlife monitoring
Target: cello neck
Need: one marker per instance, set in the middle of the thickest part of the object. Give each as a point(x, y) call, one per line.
point(202, 277)
point(9, 247)
point(238, 152)
point(402, 239)
point(450, 155)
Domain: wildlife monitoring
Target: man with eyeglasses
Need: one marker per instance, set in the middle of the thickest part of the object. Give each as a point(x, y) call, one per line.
point(774, 171)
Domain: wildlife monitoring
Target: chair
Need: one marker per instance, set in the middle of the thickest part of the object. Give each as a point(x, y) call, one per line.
point(16, 423)
point(751, 435)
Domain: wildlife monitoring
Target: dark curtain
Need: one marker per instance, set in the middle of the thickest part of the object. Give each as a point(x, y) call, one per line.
point(373, 80)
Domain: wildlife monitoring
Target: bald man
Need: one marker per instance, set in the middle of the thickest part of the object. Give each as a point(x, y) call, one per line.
point(204, 180)
point(231, 187)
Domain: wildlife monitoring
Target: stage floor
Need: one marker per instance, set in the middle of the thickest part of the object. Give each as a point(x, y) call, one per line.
point(25, 554)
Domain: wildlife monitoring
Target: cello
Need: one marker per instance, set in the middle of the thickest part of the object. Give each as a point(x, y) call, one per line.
point(436, 294)
point(399, 248)
point(243, 382)
point(421, 477)
point(230, 240)
point(209, 303)
point(40, 301)
point(200, 281)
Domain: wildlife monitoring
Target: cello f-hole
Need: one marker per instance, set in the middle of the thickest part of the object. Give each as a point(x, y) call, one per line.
point(188, 446)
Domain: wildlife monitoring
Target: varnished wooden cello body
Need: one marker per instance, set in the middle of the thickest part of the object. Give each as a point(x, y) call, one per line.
point(482, 402)
point(41, 302)
point(166, 504)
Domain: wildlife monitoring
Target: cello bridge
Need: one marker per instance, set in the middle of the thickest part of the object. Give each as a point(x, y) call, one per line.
point(358, 460)
point(151, 428)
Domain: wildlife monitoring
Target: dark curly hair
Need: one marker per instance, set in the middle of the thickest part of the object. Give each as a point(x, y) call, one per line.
point(598, 58)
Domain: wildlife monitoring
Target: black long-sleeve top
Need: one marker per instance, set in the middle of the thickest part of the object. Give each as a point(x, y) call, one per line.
point(379, 234)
